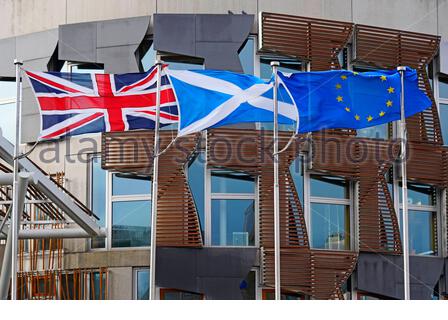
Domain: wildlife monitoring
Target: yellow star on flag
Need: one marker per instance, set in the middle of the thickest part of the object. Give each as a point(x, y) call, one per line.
point(383, 78)
point(355, 73)
point(369, 118)
point(339, 98)
point(347, 109)
point(344, 77)
point(357, 117)
point(391, 90)
point(382, 113)
point(389, 103)
point(338, 86)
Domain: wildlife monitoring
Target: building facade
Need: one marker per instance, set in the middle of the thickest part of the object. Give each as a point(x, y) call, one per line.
point(339, 189)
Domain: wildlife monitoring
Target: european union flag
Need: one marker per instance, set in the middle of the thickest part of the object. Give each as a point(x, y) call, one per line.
point(345, 99)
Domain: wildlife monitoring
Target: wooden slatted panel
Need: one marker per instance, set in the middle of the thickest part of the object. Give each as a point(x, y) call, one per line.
point(131, 152)
point(329, 271)
point(389, 48)
point(315, 40)
point(427, 163)
point(295, 271)
point(378, 224)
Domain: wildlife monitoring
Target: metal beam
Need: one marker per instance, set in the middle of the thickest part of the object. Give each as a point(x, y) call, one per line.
point(9, 270)
point(57, 233)
point(50, 189)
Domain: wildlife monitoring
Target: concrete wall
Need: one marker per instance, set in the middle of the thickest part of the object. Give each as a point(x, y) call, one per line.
point(26, 16)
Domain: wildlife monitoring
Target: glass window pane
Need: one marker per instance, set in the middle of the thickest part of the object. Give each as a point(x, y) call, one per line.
point(233, 223)
point(376, 132)
point(99, 286)
point(296, 169)
point(330, 226)
point(270, 295)
point(196, 179)
point(421, 232)
point(329, 187)
point(143, 284)
point(286, 65)
point(98, 198)
point(128, 185)
point(149, 58)
point(232, 182)
point(443, 88)
point(248, 286)
point(247, 56)
point(131, 223)
point(444, 122)
point(419, 194)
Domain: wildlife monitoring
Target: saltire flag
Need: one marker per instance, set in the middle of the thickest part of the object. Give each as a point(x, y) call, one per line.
point(211, 98)
point(346, 99)
point(78, 103)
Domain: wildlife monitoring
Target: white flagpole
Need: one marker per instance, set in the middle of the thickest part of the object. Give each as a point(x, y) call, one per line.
point(15, 215)
point(155, 178)
point(404, 189)
point(274, 65)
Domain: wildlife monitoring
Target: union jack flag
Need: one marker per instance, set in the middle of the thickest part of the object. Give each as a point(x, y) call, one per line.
point(78, 103)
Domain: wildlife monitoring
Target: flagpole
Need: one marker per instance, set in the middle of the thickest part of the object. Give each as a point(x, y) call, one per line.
point(404, 190)
point(155, 178)
point(274, 65)
point(15, 215)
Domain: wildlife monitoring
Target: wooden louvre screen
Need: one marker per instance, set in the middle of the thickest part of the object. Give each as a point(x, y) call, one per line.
point(299, 264)
point(318, 41)
point(389, 48)
point(131, 152)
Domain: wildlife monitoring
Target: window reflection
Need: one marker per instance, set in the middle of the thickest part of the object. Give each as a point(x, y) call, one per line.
point(329, 187)
point(98, 198)
point(131, 223)
point(422, 232)
point(296, 169)
point(443, 88)
point(130, 185)
point(246, 55)
point(419, 194)
point(196, 180)
point(233, 223)
point(287, 65)
point(142, 283)
point(330, 225)
point(444, 121)
point(232, 182)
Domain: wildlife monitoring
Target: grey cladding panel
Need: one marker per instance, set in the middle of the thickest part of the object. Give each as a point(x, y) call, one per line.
point(111, 42)
point(215, 272)
point(383, 275)
point(35, 50)
point(214, 37)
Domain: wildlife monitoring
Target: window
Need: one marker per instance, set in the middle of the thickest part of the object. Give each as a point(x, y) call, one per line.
point(8, 109)
point(380, 131)
point(141, 284)
point(443, 106)
point(174, 294)
point(98, 286)
point(247, 56)
point(422, 219)
point(196, 181)
point(287, 65)
point(98, 198)
point(329, 213)
point(123, 204)
point(232, 208)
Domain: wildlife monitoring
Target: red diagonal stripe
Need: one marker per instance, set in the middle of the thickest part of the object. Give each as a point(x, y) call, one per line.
point(51, 83)
point(72, 126)
point(141, 82)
